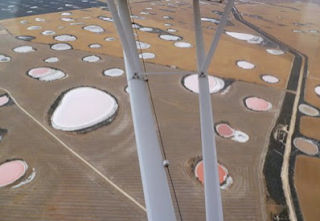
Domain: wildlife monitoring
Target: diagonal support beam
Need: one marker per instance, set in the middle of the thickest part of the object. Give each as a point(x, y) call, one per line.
point(214, 211)
point(130, 50)
point(215, 40)
point(154, 180)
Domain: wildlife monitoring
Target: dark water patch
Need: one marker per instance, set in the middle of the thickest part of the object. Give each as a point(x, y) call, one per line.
point(274, 157)
point(25, 38)
point(3, 133)
point(21, 8)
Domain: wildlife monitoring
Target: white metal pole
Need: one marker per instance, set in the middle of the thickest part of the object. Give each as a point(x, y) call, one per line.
point(130, 52)
point(154, 180)
point(214, 211)
point(215, 41)
point(213, 202)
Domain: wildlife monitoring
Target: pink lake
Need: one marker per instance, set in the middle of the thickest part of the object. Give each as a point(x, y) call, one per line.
point(225, 130)
point(12, 171)
point(4, 100)
point(257, 104)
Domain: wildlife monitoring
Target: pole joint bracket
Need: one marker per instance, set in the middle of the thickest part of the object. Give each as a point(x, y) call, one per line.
point(202, 75)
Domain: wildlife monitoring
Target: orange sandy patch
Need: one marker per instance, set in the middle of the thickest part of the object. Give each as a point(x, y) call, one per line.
point(307, 179)
point(200, 173)
point(310, 95)
point(223, 65)
point(309, 126)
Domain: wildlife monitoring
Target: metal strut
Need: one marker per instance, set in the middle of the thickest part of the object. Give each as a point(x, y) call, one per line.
point(214, 211)
point(154, 180)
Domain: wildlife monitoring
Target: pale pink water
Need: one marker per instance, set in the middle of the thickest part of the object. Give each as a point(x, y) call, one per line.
point(224, 130)
point(11, 171)
point(257, 104)
point(39, 72)
point(3, 100)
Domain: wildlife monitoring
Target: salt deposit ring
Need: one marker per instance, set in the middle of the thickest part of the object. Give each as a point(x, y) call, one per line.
point(12, 171)
point(82, 108)
point(190, 82)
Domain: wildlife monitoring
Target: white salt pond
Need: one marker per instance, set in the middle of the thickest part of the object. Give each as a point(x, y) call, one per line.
point(91, 58)
point(66, 14)
point(213, 20)
point(48, 32)
point(252, 39)
point(34, 28)
point(83, 107)
point(215, 84)
point(171, 30)
point(51, 60)
point(317, 90)
point(4, 58)
point(113, 72)
point(136, 26)
point(94, 28)
point(95, 46)
point(105, 18)
point(65, 38)
point(4, 99)
point(181, 44)
point(67, 19)
point(170, 37)
point(76, 23)
point(147, 55)
point(245, 65)
point(240, 136)
point(270, 79)
point(24, 49)
point(61, 47)
point(275, 51)
point(46, 74)
point(142, 45)
point(39, 19)
point(146, 29)
point(110, 39)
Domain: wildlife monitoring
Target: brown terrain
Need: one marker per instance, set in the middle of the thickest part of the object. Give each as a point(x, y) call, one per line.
point(298, 26)
point(95, 175)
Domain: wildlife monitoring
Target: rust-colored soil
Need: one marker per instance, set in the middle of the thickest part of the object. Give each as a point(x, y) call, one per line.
point(307, 179)
point(279, 21)
point(108, 147)
point(310, 94)
point(309, 126)
point(64, 188)
point(223, 65)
